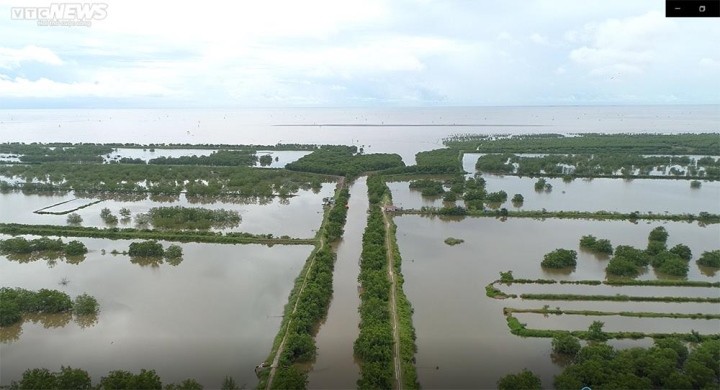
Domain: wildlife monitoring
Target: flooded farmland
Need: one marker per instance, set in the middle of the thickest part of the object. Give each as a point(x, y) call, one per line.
point(644, 195)
point(335, 366)
point(258, 216)
point(214, 314)
point(460, 329)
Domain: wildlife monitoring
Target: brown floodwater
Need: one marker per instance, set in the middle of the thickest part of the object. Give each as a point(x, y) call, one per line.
point(335, 366)
point(643, 195)
point(214, 314)
point(269, 216)
point(462, 337)
point(618, 323)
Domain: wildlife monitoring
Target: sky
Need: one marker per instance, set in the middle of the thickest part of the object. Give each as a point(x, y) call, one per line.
point(367, 53)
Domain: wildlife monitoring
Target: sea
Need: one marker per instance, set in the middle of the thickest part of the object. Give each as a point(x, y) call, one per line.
point(378, 130)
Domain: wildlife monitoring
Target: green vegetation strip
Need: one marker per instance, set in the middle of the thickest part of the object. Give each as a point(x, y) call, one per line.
point(617, 298)
point(14, 302)
point(702, 217)
point(404, 311)
point(307, 305)
point(374, 345)
point(671, 144)
point(619, 282)
point(547, 310)
point(519, 329)
point(167, 235)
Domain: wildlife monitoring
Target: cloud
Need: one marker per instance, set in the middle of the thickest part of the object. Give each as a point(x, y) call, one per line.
point(12, 58)
point(619, 45)
point(44, 88)
point(539, 39)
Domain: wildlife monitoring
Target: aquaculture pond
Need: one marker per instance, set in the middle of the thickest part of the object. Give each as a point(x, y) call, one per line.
point(212, 315)
point(259, 216)
point(460, 329)
point(644, 195)
point(335, 366)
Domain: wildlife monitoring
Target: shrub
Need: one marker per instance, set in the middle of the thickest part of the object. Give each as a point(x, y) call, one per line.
point(173, 252)
point(560, 258)
point(658, 234)
point(566, 344)
point(85, 304)
point(75, 248)
point(74, 219)
point(710, 259)
point(146, 249)
point(524, 380)
point(683, 251)
point(621, 266)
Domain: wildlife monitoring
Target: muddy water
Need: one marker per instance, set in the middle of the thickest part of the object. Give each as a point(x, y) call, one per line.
point(305, 210)
point(644, 195)
point(214, 314)
point(637, 291)
point(618, 323)
point(462, 336)
point(335, 367)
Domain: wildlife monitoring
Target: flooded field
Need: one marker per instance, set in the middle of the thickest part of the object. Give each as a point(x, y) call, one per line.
point(335, 366)
point(617, 323)
point(643, 195)
point(214, 314)
point(460, 329)
point(260, 217)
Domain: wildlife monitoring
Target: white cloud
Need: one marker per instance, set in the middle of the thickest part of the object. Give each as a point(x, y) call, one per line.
point(539, 39)
point(709, 63)
point(44, 88)
point(620, 45)
point(12, 58)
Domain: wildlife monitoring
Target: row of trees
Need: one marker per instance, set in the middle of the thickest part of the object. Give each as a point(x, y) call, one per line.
point(158, 179)
point(671, 144)
point(312, 303)
point(595, 245)
point(374, 345)
point(668, 364)
point(79, 379)
point(629, 261)
point(192, 218)
point(21, 245)
point(344, 161)
point(153, 248)
point(227, 158)
point(14, 302)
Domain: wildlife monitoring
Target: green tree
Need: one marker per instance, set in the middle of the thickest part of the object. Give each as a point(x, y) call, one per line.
point(683, 251)
point(117, 380)
point(85, 304)
point(565, 344)
point(595, 332)
point(124, 212)
point(10, 312)
point(560, 258)
point(517, 200)
point(146, 249)
point(173, 252)
point(73, 378)
point(74, 219)
point(658, 234)
point(187, 384)
point(524, 380)
point(229, 384)
point(75, 248)
point(710, 259)
point(37, 378)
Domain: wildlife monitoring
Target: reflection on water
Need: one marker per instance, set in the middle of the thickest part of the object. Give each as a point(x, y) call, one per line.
point(335, 367)
point(260, 215)
point(464, 333)
point(216, 314)
point(12, 333)
point(643, 195)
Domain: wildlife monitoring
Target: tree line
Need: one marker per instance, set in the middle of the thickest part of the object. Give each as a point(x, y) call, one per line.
point(14, 302)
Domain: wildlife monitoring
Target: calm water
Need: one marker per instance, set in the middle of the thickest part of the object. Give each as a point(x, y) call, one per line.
point(269, 126)
point(644, 195)
point(463, 332)
point(214, 314)
point(304, 210)
point(617, 323)
point(335, 367)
